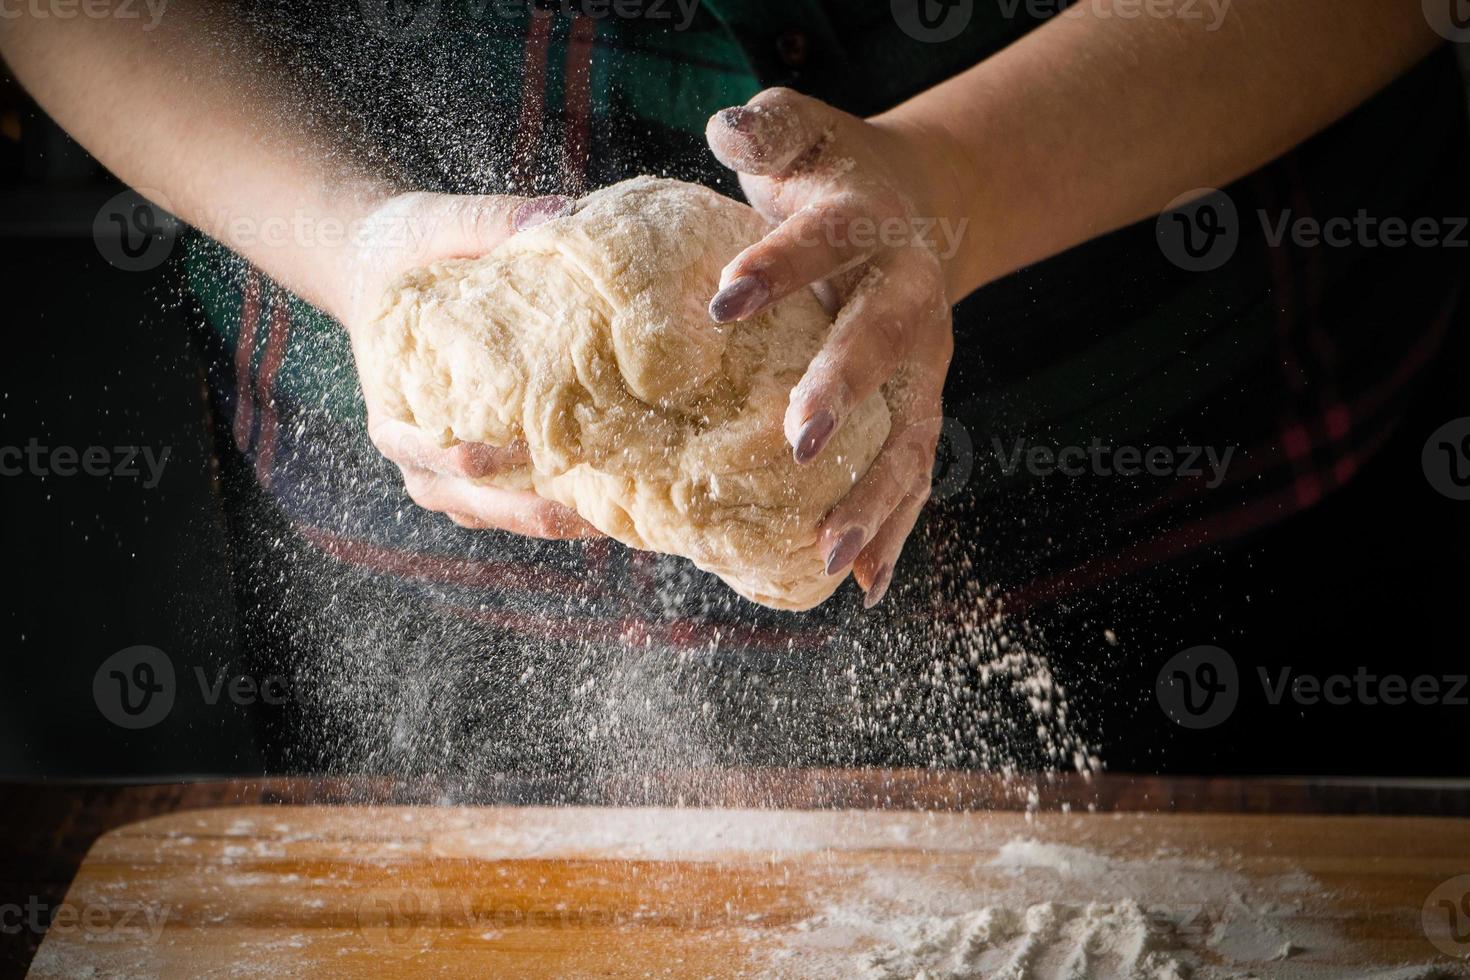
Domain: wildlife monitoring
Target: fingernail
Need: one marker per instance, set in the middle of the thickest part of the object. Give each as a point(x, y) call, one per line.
point(739, 299)
point(812, 438)
point(540, 210)
point(845, 551)
point(879, 588)
point(738, 118)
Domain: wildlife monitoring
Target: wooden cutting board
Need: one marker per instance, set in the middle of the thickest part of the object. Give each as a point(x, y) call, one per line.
point(267, 892)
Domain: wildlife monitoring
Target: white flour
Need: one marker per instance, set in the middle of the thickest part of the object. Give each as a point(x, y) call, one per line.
point(1046, 911)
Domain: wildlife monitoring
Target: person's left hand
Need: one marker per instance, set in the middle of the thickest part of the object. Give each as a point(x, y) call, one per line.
point(859, 220)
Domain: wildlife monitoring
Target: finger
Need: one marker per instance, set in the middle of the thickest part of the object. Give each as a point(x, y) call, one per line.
point(770, 133)
point(904, 468)
point(490, 507)
point(406, 445)
point(874, 567)
point(817, 242)
point(889, 310)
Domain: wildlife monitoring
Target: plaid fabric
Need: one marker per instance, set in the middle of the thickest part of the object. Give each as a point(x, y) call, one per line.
point(1293, 356)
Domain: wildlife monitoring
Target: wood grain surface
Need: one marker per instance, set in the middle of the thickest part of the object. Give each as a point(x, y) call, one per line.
point(557, 892)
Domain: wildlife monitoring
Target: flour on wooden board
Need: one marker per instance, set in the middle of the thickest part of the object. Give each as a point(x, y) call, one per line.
point(1063, 912)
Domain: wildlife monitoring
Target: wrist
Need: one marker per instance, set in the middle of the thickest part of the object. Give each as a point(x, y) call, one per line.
point(370, 215)
point(946, 195)
point(311, 244)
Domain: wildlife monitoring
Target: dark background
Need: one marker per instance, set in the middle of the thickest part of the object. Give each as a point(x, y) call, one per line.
point(1375, 576)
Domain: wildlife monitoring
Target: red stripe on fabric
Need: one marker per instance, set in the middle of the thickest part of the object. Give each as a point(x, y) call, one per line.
point(244, 351)
point(1178, 541)
point(1417, 357)
point(1337, 425)
point(471, 573)
point(1283, 295)
point(597, 553)
point(578, 110)
point(680, 635)
point(533, 105)
point(1294, 436)
point(517, 577)
point(270, 366)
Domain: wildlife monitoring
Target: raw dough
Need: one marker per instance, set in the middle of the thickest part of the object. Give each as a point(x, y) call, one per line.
point(587, 338)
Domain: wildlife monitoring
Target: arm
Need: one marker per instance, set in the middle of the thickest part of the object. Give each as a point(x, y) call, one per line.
point(183, 112)
point(179, 112)
point(1093, 121)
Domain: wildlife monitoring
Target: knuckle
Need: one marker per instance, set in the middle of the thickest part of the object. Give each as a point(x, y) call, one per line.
point(890, 334)
point(547, 523)
point(466, 460)
point(385, 440)
point(418, 491)
point(532, 521)
point(833, 381)
point(486, 221)
point(779, 266)
point(778, 95)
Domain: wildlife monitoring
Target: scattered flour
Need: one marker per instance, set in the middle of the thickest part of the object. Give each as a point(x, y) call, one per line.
point(1096, 940)
point(1039, 910)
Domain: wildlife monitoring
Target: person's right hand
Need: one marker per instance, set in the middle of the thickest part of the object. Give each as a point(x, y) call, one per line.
point(412, 230)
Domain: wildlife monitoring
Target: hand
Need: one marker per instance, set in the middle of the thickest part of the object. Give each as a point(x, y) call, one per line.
point(412, 230)
point(857, 202)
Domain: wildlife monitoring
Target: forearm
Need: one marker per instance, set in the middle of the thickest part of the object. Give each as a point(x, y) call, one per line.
point(1095, 121)
point(182, 112)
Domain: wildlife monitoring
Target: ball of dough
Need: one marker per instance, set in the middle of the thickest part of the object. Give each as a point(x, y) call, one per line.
point(587, 339)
